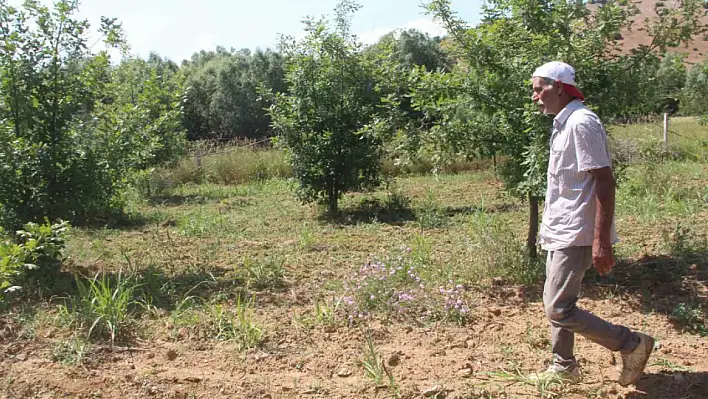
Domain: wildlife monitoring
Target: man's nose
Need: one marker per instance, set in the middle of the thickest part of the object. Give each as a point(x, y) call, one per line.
point(534, 97)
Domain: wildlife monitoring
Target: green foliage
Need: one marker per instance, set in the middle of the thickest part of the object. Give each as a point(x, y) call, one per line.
point(72, 127)
point(240, 329)
point(499, 56)
point(263, 273)
point(103, 307)
point(222, 99)
point(33, 257)
point(695, 91)
point(372, 362)
point(71, 352)
point(691, 318)
point(324, 118)
point(410, 48)
point(496, 252)
point(431, 215)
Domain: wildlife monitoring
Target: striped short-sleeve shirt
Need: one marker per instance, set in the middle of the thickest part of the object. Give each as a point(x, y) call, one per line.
point(578, 145)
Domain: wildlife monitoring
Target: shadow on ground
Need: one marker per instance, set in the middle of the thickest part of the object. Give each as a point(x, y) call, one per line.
point(674, 285)
point(671, 385)
point(371, 210)
point(177, 200)
point(118, 221)
point(398, 212)
point(467, 210)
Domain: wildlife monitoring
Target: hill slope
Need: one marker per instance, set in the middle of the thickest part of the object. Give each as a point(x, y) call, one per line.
point(697, 50)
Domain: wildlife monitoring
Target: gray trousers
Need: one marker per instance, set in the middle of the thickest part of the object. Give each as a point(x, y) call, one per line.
point(565, 269)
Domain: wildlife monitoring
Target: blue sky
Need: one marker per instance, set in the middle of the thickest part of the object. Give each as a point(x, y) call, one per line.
point(178, 28)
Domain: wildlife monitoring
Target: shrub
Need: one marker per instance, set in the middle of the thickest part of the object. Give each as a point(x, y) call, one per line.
point(34, 257)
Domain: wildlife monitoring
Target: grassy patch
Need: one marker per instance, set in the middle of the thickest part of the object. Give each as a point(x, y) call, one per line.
point(103, 307)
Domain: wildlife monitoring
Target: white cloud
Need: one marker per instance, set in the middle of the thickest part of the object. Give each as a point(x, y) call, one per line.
point(424, 25)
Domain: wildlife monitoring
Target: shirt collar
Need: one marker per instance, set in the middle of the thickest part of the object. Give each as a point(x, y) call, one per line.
point(562, 116)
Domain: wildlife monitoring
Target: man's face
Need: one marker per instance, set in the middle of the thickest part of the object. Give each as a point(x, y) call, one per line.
point(547, 95)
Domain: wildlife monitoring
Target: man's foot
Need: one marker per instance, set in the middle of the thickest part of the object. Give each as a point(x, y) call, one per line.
point(558, 373)
point(633, 363)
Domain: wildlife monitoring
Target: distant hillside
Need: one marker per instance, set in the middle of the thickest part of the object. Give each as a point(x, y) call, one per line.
point(697, 50)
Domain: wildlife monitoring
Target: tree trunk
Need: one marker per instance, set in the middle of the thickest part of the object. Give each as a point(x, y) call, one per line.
point(333, 198)
point(332, 204)
point(494, 160)
point(533, 227)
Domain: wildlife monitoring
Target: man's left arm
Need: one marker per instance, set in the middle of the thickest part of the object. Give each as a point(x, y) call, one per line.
point(605, 199)
point(594, 157)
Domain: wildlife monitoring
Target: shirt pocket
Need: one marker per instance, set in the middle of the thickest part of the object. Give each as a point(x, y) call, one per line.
point(555, 161)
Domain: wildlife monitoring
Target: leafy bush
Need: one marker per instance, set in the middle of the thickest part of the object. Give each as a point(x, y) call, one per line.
point(695, 92)
point(325, 118)
point(73, 127)
point(34, 257)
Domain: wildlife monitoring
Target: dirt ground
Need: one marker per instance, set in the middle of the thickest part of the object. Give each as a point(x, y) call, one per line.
point(509, 333)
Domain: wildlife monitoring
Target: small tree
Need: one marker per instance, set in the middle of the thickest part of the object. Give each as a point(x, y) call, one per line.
point(222, 93)
point(323, 117)
point(73, 126)
point(500, 54)
point(695, 92)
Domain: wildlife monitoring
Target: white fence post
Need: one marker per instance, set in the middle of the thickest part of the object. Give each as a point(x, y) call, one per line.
point(666, 131)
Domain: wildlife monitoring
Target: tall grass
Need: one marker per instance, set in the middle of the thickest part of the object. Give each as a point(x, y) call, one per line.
point(240, 164)
point(233, 166)
point(687, 139)
point(103, 306)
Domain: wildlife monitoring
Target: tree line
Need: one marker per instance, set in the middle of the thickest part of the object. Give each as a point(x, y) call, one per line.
point(78, 128)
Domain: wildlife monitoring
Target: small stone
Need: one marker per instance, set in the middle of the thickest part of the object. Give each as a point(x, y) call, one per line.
point(432, 391)
point(666, 351)
point(408, 329)
point(343, 372)
point(21, 357)
point(171, 355)
point(182, 332)
point(613, 360)
point(150, 355)
point(152, 390)
point(193, 379)
point(464, 373)
point(395, 359)
point(496, 312)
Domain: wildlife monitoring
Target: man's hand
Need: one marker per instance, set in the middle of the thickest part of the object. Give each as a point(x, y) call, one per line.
point(602, 257)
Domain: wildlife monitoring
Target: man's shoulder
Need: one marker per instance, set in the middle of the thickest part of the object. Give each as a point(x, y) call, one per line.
point(584, 116)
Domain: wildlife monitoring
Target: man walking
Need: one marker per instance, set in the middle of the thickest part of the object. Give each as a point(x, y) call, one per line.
point(578, 226)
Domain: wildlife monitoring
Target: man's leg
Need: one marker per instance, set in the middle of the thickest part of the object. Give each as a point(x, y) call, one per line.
point(562, 340)
point(564, 274)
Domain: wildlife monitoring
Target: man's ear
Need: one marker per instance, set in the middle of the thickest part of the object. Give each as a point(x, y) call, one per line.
point(559, 88)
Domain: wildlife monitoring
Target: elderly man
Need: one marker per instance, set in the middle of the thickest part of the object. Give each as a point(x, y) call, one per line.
point(578, 226)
